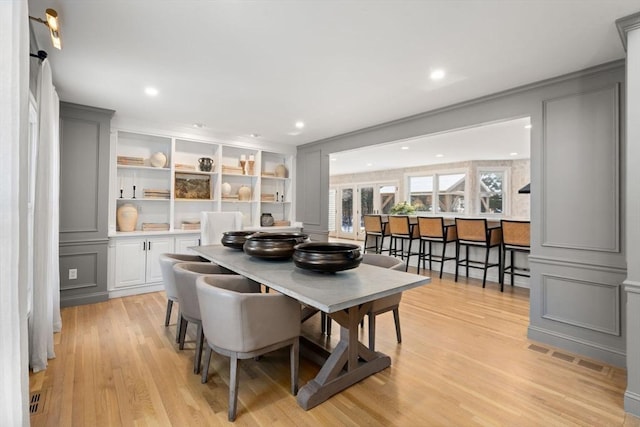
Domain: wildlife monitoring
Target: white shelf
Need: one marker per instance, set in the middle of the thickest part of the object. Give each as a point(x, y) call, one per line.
point(181, 151)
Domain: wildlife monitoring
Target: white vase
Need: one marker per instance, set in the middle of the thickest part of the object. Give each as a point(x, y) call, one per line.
point(158, 160)
point(127, 217)
point(244, 193)
point(226, 189)
point(281, 171)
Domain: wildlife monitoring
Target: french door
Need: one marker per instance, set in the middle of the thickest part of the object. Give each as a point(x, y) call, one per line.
point(351, 202)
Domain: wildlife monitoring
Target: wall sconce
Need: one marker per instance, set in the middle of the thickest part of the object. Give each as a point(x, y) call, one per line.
point(53, 25)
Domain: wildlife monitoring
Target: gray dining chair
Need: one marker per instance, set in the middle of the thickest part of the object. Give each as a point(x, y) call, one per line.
point(241, 324)
point(167, 261)
point(389, 303)
point(186, 274)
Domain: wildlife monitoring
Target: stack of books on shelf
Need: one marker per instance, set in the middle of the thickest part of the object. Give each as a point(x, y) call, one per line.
point(268, 197)
point(190, 224)
point(268, 174)
point(155, 226)
point(185, 167)
point(237, 170)
point(151, 193)
point(130, 161)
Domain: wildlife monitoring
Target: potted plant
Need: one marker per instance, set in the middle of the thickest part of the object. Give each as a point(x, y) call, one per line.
point(403, 208)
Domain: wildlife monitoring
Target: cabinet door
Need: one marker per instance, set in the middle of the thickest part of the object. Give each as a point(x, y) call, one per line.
point(183, 243)
point(155, 247)
point(130, 262)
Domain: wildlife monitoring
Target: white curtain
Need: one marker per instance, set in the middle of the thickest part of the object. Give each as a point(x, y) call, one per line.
point(14, 113)
point(45, 318)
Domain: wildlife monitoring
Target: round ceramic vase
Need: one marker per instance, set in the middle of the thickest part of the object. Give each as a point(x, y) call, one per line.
point(127, 217)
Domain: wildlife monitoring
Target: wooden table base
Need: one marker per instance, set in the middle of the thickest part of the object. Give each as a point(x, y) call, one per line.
point(350, 362)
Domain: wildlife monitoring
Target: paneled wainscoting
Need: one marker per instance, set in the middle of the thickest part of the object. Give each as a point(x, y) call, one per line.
point(464, 360)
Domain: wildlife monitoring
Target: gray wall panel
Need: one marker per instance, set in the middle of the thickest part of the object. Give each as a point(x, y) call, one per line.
point(90, 259)
point(581, 171)
point(84, 197)
point(79, 176)
point(594, 306)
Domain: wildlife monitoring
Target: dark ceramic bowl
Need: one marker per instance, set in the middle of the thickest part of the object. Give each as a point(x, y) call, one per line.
point(327, 257)
point(273, 245)
point(235, 239)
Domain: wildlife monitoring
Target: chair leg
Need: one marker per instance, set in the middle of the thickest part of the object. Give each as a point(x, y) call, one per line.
point(512, 272)
point(233, 387)
point(406, 267)
point(420, 255)
point(457, 260)
point(430, 266)
point(183, 332)
point(466, 253)
point(205, 368)
point(199, 342)
point(178, 326)
point(329, 323)
point(444, 253)
point(167, 317)
point(486, 263)
point(323, 322)
point(396, 318)
point(372, 331)
point(295, 357)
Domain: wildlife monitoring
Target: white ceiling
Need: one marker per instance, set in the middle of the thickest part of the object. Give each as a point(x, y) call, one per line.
point(243, 67)
point(507, 140)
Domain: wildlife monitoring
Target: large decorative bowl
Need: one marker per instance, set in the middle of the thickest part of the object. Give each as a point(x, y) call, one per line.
point(235, 239)
point(327, 257)
point(273, 245)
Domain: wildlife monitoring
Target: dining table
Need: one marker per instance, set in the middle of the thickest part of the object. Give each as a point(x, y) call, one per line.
point(345, 296)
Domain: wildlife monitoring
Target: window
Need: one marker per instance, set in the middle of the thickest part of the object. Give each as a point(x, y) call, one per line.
point(491, 191)
point(447, 189)
point(451, 189)
point(421, 193)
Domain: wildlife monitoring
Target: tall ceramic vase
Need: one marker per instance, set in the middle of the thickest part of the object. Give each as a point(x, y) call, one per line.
point(127, 217)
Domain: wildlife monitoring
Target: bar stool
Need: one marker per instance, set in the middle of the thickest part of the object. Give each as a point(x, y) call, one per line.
point(376, 228)
point(474, 232)
point(402, 230)
point(516, 237)
point(434, 229)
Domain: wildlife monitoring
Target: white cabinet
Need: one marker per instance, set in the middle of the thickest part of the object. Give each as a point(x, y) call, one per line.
point(183, 243)
point(137, 260)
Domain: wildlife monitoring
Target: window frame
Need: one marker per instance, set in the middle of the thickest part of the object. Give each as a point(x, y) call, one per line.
point(435, 175)
point(506, 191)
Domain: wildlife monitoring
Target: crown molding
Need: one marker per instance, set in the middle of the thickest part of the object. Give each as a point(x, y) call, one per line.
point(626, 24)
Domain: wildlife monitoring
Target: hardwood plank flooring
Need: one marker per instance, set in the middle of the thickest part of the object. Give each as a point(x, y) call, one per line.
point(464, 360)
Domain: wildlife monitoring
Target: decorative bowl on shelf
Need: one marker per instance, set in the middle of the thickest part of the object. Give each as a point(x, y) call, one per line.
point(158, 160)
point(273, 245)
point(327, 257)
point(235, 239)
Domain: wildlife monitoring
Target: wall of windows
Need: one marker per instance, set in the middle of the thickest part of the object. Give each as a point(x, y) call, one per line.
point(480, 187)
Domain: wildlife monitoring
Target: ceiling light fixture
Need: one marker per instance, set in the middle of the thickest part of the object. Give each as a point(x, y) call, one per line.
point(439, 155)
point(437, 74)
point(528, 126)
point(513, 154)
point(333, 159)
point(254, 135)
point(151, 91)
point(196, 125)
point(299, 125)
point(404, 148)
point(53, 25)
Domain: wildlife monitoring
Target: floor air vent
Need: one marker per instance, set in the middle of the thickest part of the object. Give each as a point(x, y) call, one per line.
point(36, 403)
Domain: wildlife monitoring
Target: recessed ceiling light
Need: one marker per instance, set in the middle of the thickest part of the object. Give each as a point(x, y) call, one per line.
point(513, 154)
point(333, 159)
point(439, 155)
point(437, 74)
point(151, 91)
point(369, 164)
point(198, 125)
point(299, 125)
point(404, 148)
point(254, 135)
point(527, 126)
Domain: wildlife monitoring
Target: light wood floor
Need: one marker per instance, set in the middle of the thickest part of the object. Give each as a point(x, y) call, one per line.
point(464, 360)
